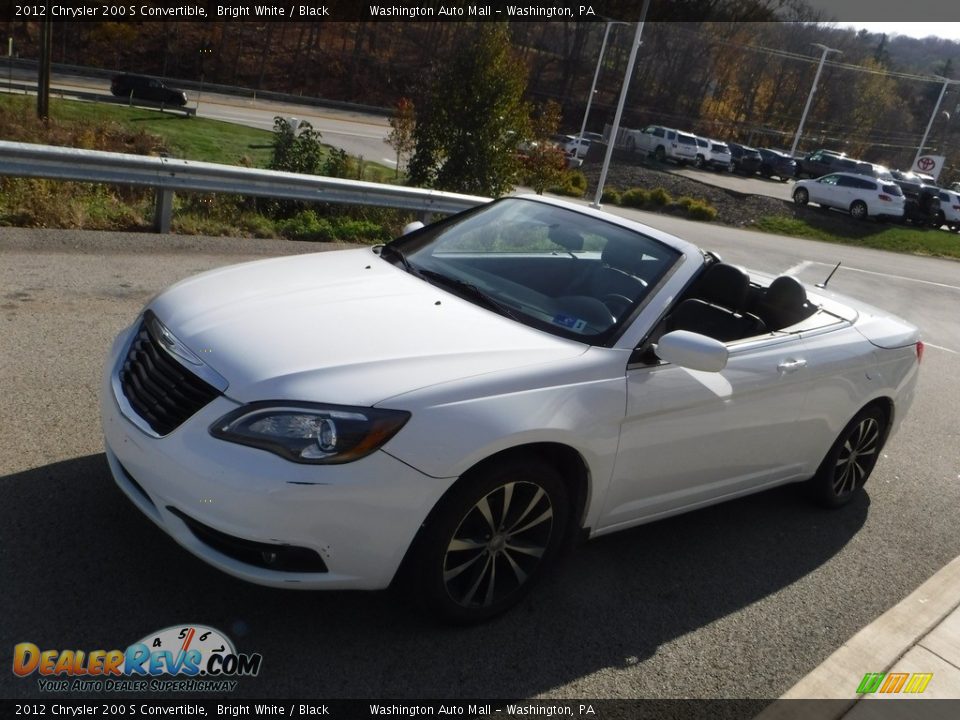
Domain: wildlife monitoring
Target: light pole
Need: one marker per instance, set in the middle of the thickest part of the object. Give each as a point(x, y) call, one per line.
point(623, 99)
point(943, 91)
point(596, 74)
point(813, 90)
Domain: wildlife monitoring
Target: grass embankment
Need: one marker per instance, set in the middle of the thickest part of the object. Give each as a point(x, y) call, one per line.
point(116, 128)
point(835, 228)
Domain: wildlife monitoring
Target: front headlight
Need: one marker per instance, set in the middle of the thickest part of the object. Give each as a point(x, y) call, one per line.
point(310, 432)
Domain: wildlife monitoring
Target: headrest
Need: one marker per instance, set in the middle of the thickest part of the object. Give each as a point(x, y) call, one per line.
point(724, 285)
point(565, 238)
point(786, 291)
point(622, 256)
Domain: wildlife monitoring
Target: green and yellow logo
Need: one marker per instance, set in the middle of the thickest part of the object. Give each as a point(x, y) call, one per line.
point(897, 682)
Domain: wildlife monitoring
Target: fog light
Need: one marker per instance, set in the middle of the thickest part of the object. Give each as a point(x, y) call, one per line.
point(270, 557)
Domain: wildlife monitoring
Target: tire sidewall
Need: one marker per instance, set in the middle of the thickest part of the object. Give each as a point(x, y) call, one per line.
point(431, 545)
point(821, 484)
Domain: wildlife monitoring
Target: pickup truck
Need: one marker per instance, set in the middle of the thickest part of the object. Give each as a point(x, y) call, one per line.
point(663, 143)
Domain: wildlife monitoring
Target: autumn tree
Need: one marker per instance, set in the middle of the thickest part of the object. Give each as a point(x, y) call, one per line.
point(545, 162)
point(474, 116)
point(402, 124)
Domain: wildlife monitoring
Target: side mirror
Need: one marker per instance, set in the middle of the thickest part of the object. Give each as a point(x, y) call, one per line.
point(411, 227)
point(693, 351)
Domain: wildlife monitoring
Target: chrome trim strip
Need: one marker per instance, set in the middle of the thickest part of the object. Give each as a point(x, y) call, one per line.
point(203, 371)
point(125, 408)
point(183, 355)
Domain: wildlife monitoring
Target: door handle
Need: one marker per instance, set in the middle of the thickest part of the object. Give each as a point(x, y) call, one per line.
point(791, 365)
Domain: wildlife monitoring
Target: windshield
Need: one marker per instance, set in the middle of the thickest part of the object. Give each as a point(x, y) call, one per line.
point(551, 268)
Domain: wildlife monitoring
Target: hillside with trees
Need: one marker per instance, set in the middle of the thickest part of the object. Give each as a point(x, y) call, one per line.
point(731, 79)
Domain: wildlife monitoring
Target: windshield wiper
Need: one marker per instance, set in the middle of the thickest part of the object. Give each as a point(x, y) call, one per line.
point(491, 303)
point(391, 250)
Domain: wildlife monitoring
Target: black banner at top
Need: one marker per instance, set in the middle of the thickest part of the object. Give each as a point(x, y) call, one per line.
point(473, 11)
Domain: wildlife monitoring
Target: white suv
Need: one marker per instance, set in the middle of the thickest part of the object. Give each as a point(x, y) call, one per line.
point(712, 154)
point(859, 195)
point(949, 214)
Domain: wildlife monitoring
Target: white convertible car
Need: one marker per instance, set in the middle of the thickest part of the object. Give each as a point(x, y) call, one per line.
point(453, 407)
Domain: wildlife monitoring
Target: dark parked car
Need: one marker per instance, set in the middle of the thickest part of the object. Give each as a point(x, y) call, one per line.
point(777, 162)
point(822, 162)
point(146, 88)
point(923, 199)
point(745, 160)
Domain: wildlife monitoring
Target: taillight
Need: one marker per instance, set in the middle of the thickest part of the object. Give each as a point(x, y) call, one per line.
point(885, 197)
point(919, 351)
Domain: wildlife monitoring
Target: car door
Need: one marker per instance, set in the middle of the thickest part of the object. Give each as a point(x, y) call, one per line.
point(690, 437)
point(824, 190)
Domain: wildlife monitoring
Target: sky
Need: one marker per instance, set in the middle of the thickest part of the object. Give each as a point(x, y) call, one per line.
point(947, 30)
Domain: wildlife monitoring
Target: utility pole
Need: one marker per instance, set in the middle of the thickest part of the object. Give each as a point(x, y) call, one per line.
point(623, 99)
point(813, 90)
point(933, 116)
point(596, 75)
point(43, 81)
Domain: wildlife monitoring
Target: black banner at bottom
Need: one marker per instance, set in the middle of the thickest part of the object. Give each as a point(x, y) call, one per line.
point(872, 709)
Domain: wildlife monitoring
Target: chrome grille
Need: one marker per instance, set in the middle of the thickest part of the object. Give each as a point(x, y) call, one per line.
point(159, 389)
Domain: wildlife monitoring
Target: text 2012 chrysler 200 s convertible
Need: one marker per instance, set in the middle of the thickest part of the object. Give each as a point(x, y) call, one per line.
point(453, 405)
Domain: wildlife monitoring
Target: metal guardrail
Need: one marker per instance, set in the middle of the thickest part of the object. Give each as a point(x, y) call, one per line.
point(168, 175)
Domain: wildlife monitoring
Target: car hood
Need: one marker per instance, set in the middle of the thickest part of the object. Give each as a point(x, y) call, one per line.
point(342, 327)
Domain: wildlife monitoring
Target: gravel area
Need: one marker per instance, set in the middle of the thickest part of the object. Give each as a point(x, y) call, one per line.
point(733, 208)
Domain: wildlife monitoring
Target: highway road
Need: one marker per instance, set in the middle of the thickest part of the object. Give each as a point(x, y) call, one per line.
point(735, 601)
point(360, 134)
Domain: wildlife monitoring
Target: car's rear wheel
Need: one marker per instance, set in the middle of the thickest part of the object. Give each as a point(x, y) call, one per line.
point(852, 458)
point(698, 162)
point(801, 196)
point(491, 539)
point(859, 209)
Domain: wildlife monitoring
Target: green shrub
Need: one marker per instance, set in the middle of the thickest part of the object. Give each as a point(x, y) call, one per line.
point(306, 225)
point(610, 197)
point(576, 179)
point(700, 210)
point(660, 197)
point(635, 198)
point(685, 202)
point(573, 183)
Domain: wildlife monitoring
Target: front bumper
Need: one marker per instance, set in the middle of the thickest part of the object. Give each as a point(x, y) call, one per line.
point(359, 518)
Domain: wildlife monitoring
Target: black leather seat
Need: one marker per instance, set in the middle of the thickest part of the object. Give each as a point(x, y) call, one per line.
point(716, 306)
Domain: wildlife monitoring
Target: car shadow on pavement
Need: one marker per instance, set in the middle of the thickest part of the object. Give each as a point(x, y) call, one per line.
point(84, 569)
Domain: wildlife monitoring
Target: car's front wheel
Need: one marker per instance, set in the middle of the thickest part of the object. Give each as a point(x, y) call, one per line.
point(801, 196)
point(850, 461)
point(491, 539)
point(660, 154)
point(698, 162)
